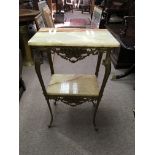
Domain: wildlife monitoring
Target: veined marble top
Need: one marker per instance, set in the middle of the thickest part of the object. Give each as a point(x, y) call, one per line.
point(74, 37)
point(73, 85)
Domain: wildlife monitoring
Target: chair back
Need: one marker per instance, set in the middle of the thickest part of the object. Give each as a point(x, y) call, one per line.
point(39, 21)
point(86, 2)
point(41, 5)
point(96, 18)
point(48, 16)
point(69, 2)
point(128, 30)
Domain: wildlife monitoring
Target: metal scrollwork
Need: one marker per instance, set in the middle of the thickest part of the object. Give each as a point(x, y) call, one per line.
point(75, 54)
point(74, 101)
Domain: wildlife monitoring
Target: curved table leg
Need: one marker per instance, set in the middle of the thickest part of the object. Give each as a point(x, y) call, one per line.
point(107, 64)
point(49, 106)
point(38, 71)
point(98, 63)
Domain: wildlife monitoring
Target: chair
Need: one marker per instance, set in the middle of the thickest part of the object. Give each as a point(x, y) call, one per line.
point(96, 18)
point(115, 10)
point(48, 16)
point(69, 5)
point(25, 4)
point(125, 56)
point(41, 5)
point(40, 24)
point(39, 21)
point(60, 5)
point(87, 23)
point(85, 6)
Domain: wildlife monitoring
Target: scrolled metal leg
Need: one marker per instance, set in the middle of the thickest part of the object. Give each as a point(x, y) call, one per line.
point(49, 106)
point(55, 102)
point(98, 63)
point(94, 122)
point(38, 71)
point(107, 64)
point(50, 62)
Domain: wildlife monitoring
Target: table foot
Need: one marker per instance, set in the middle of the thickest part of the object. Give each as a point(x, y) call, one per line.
point(94, 104)
point(96, 129)
point(22, 87)
point(113, 77)
point(50, 113)
point(134, 112)
point(50, 125)
point(55, 103)
point(29, 64)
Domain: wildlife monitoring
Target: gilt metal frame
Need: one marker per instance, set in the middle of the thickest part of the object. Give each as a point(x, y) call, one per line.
point(74, 54)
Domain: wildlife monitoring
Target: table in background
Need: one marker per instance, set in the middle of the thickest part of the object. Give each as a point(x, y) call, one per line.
point(26, 16)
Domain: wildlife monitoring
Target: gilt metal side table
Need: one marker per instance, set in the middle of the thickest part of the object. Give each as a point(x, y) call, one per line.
point(74, 45)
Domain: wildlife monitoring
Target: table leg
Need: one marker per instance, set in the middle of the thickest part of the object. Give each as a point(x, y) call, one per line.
point(50, 62)
point(28, 61)
point(107, 64)
point(38, 71)
point(98, 63)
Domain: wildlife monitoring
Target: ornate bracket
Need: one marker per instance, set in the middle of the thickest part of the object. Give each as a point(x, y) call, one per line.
point(74, 54)
point(75, 100)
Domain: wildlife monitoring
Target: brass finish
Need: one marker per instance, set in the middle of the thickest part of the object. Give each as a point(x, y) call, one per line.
point(78, 53)
point(71, 54)
point(98, 63)
point(74, 100)
point(37, 68)
point(50, 62)
point(107, 64)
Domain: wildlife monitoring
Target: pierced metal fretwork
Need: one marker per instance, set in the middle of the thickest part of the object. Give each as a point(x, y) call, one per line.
point(74, 54)
point(74, 100)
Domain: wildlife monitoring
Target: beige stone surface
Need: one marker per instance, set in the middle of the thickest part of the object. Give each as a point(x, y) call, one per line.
point(73, 85)
point(74, 37)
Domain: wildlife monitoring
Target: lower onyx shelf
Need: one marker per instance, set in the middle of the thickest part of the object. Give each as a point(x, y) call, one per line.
point(73, 85)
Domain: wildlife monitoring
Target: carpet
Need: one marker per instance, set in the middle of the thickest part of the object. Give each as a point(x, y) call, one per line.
point(72, 132)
